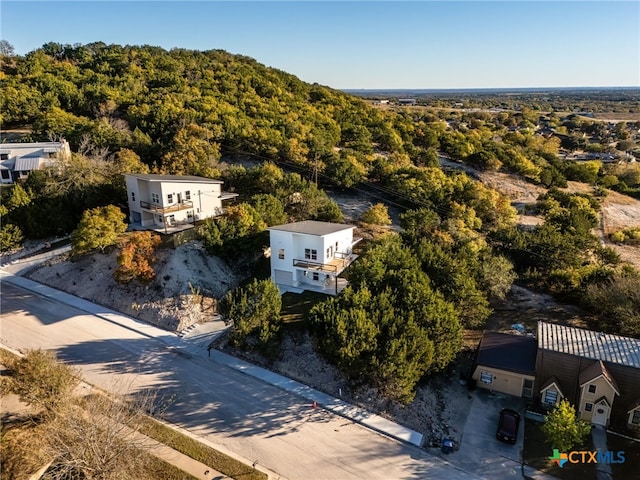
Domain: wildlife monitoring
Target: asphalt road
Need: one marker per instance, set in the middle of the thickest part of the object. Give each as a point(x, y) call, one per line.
point(246, 416)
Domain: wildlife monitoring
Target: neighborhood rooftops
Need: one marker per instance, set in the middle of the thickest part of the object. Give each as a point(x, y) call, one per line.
point(153, 177)
point(312, 227)
point(589, 344)
point(514, 353)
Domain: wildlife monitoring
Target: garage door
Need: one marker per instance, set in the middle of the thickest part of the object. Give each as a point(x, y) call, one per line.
point(283, 277)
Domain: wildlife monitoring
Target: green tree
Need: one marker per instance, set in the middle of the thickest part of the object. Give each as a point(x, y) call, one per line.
point(40, 380)
point(98, 228)
point(563, 429)
point(269, 208)
point(10, 237)
point(377, 214)
point(233, 232)
point(254, 314)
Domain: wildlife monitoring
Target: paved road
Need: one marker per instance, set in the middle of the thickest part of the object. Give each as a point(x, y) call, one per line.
point(244, 415)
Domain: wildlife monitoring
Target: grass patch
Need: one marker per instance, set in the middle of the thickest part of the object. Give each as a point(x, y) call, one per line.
point(296, 306)
point(198, 451)
point(537, 452)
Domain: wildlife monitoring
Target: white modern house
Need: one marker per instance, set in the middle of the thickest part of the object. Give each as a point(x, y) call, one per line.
point(17, 160)
point(310, 255)
point(170, 201)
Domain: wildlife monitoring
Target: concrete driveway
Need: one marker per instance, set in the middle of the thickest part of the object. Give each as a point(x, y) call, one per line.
point(480, 452)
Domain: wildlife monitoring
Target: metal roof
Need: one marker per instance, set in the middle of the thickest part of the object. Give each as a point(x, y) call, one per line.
point(312, 227)
point(27, 163)
point(589, 344)
point(153, 177)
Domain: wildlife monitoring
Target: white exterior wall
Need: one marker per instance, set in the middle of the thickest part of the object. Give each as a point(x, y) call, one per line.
point(294, 245)
point(205, 198)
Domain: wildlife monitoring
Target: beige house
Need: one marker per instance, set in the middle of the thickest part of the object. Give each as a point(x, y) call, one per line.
point(506, 363)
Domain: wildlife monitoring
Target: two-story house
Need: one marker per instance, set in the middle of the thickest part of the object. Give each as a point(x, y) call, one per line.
point(598, 373)
point(165, 201)
point(17, 160)
point(311, 255)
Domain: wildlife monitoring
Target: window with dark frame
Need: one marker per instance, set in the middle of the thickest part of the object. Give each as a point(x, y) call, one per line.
point(316, 276)
point(133, 196)
point(592, 389)
point(170, 198)
point(281, 254)
point(187, 195)
point(310, 254)
point(635, 419)
point(588, 407)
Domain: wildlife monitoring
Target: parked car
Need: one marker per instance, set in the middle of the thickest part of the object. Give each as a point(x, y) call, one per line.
point(508, 425)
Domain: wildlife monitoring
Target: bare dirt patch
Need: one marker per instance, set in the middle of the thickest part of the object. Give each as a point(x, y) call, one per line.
point(188, 282)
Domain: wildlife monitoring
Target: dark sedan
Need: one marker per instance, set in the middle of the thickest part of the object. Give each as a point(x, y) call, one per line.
point(508, 426)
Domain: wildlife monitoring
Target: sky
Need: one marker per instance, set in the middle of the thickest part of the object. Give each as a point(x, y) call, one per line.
point(365, 44)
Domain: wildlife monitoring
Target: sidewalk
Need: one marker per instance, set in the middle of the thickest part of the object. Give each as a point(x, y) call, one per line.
point(335, 405)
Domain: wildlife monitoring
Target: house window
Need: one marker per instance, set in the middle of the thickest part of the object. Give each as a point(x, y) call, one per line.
point(155, 198)
point(588, 407)
point(486, 377)
point(170, 198)
point(133, 196)
point(635, 419)
point(551, 397)
point(527, 388)
point(310, 254)
point(189, 213)
point(5, 174)
point(281, 254)
point(592, 389)
point(187, 195)
point(4, 156)
point(316, 276)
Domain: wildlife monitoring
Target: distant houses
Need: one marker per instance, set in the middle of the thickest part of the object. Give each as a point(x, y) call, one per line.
point(168, 201)
point(17, 160)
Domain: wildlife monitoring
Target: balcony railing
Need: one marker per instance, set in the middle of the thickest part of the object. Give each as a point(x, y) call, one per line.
point(316, 266)
point(185, 205)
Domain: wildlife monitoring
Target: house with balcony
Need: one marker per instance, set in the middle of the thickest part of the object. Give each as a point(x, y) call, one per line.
point(173, 202)
point(17, 160)
point(311, 255)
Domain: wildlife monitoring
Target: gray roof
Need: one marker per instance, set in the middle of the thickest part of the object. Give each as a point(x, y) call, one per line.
point(312, 227)
point(589, 344)
point(153, 177)
point(27, 163)
point(514, 353)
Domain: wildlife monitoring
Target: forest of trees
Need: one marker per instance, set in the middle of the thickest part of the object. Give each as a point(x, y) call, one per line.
point(143, 109)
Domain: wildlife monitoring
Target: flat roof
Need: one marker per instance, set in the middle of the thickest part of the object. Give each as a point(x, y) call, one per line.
point(589, 344)
point(514, 353)
point(154, 177)
point(312, 227)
